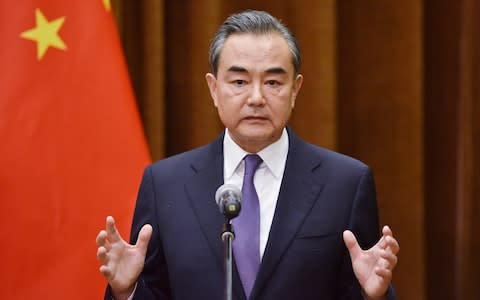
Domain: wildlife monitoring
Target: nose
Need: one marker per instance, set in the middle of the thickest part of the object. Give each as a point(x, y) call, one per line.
point(256, 95)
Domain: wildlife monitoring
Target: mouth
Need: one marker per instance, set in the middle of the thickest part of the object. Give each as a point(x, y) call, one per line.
point(255, 118)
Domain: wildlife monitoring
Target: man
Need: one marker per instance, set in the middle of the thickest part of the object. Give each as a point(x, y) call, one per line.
point(308, 198)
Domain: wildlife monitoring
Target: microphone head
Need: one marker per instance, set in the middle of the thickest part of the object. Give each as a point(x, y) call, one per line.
point(229, 198)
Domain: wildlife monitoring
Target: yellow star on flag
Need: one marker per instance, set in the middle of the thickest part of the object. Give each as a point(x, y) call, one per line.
point(107, 4)
point(45, 34)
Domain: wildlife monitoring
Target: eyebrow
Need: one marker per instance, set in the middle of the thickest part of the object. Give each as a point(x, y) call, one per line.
point(237, 69)
point(274, 70)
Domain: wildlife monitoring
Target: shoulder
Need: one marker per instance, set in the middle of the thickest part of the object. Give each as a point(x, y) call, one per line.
point(189, 160)
point(336, 159)
point(327, 158)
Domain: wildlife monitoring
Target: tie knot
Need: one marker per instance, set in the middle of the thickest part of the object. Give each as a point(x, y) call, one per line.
point(252, 161)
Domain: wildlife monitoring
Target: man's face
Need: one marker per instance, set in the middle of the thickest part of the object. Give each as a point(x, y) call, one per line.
point(255, 88)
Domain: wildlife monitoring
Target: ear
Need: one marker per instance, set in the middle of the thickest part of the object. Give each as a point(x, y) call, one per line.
point(297, 84)
point(212, 86)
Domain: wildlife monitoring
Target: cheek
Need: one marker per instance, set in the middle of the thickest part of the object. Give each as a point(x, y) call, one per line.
point(282, 106)
point(230, 103)
point(227, 110)
point(286, 114)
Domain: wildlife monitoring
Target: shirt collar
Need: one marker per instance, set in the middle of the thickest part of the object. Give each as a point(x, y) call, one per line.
point(274, 156)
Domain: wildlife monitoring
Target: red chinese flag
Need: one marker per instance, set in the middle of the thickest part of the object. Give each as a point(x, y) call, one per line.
point(72, 147)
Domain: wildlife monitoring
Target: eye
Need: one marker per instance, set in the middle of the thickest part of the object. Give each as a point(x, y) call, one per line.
point(239, 82)
point(272, 82)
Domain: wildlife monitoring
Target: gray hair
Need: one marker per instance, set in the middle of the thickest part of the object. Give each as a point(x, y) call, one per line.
point(256, 22)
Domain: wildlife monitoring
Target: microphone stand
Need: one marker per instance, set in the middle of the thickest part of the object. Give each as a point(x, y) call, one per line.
point(227, 237)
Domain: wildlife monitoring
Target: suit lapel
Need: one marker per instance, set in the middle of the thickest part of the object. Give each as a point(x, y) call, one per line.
point(200, 189)
point(298, 193)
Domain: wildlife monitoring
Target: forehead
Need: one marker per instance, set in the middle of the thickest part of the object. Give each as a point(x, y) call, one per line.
point(256, 52)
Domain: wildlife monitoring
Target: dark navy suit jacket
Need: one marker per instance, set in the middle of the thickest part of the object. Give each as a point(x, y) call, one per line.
point(322, 194)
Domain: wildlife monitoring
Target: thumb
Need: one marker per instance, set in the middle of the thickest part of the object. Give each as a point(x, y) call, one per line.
point(351, 243)
point(144, 237)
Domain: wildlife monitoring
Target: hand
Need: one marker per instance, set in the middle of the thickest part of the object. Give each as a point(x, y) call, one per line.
point(373, 267)
point(121, 263)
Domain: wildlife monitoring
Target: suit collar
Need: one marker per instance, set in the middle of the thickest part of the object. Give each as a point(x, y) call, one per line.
point(207, 165)
point(298, 193)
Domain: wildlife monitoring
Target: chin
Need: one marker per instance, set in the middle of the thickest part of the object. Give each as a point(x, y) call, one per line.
point(257, 133)
point(260, 139)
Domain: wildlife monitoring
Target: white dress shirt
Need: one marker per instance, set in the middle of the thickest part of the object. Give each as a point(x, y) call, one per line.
point(267, 180)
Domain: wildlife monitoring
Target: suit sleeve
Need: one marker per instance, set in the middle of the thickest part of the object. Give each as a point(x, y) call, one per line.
point(363, 222)
point(153, 281)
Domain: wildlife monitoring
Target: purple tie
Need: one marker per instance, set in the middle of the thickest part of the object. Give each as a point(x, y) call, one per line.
point(246, 245)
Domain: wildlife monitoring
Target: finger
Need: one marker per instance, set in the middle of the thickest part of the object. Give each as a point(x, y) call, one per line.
point(387, 260)
point(386, 230)
point(390, 258)
point(383, 263)
point(144, 237)
point(102, 255)
point(386, 274)
point(106, 272)
point(392, 244)
point(112, 232)
point(351, 243)
point(101, 238)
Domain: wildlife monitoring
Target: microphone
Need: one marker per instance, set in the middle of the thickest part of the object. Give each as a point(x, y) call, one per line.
point(229, 198)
